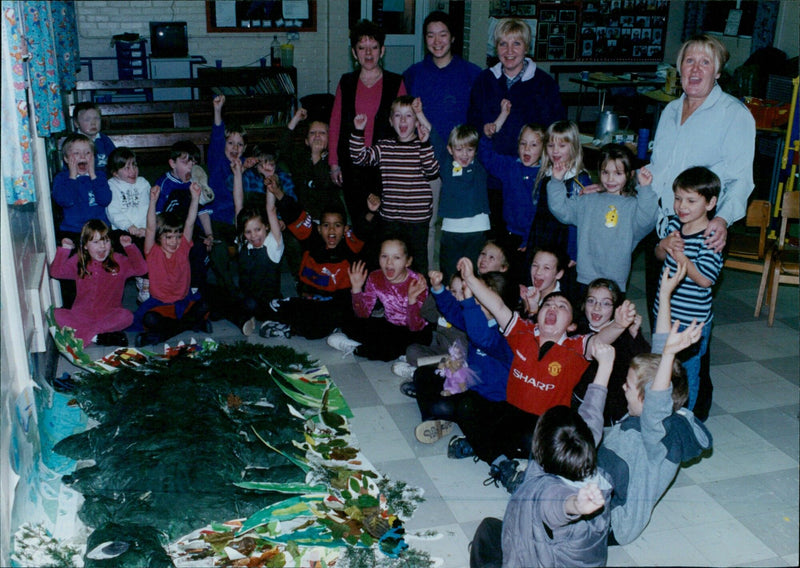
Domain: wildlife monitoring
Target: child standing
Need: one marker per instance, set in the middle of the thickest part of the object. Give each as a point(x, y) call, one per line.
point(463, 201)
point(97, 314)
point(610, 223)
point(562, 147)
point(645, 450)
point(81, 190)
point(87, 121)
point(172, 306)
point(407, 164)
point(401, 291)
point(309, 166)
point(130, 193)
point(696, 192)
point(558, 516)
point(518, 177)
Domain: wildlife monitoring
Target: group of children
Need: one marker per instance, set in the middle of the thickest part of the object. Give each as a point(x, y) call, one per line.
point(512, 371)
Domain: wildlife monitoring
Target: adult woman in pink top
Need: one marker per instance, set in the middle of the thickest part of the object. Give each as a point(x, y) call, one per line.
point(368, 90)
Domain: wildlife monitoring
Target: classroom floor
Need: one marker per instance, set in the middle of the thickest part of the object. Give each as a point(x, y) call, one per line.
point(738, 507)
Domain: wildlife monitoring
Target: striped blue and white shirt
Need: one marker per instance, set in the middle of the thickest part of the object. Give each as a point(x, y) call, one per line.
point(690, 301)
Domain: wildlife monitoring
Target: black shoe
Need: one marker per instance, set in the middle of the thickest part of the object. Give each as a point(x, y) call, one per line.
point(408, 388)
point(507, 474)
point(148, 338)
point(112, 338)
point(458, 448)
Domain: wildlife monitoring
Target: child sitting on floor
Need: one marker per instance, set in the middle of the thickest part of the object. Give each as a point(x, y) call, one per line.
point(97, 315)
point(558, 515)
point(172, 306)
point(401, 291)
point(645, 450)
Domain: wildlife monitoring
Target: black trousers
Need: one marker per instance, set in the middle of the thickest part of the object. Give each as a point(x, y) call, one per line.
point(381, 340)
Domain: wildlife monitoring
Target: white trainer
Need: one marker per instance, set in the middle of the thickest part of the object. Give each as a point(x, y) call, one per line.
point(341, 342)
point(403, 369)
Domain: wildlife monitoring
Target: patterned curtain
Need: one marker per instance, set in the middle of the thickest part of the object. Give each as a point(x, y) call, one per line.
point(693, 19)
point(39, 45)
point(16, 156)
point(765, 24)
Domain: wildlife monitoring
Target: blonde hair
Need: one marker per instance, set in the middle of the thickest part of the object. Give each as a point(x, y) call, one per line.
point(514, 28)
point(463, 135)
point(645, 366)
point(567, 131)
point(710, 45)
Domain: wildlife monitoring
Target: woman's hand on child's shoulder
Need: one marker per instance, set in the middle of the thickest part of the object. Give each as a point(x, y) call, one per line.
point(67, 243)
point(644, 176)
point(415, 288)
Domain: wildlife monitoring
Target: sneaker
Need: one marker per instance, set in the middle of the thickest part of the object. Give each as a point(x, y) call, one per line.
point(275, 305)
point(341, 342)
point(249, 327)
point(409, 389)
point(112, 338)
point(431, 431)
point(459, 448)
point(148, 338)
point(403, 369)
point(206, 326)
point(507, 474)
point(275, 329)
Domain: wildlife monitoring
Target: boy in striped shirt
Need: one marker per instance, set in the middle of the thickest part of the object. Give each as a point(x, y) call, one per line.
point(696, 192)
point(407, 165)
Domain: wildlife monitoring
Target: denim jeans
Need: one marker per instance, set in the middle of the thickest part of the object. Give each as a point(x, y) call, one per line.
point(690, 357)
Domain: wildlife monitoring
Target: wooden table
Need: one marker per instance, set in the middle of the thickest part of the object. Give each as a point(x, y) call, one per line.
point(602, 82)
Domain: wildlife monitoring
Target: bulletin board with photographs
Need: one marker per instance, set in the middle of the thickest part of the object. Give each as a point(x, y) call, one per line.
point(623, 30)
point(592, 30)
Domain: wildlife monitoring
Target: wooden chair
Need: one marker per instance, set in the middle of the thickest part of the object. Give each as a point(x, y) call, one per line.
point(747, 251)
point(782, 265)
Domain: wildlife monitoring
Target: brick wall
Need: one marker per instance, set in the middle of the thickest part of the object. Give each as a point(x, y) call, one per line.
point(320, 57)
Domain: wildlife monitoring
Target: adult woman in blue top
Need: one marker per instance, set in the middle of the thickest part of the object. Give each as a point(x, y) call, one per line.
point(534, 95)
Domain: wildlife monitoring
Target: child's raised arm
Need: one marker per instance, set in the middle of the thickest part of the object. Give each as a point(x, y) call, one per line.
point(665, 290)
point(150, 229)
point(492, 128)
point(219, 102)
point(485, 295)
point(676, 342)
point(586, 501)
point(644, 176)
point(272, 218)
point(358, 276)
point(301, 114)
point(191, 216)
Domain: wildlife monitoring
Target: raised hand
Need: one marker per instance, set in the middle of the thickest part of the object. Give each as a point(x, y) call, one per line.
point(358, 276)
point(416, 106)
point(589, 499)
point(505, 106)
point(360, 121)
point(670, 283)
point(625, 314)
point(125, 240)
point(219, 101)
point(416, 287)
point(155, 191)
point(195, 190)
point(67, 243)
point(677, 341)
point(373, 202)
point(436, 278)
point(464, 266)
point(423, 132)
point(489, 129)
point(530, 296)
point(644, 176)
point(237, 166)
point(300, 114)
point(603, 353)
